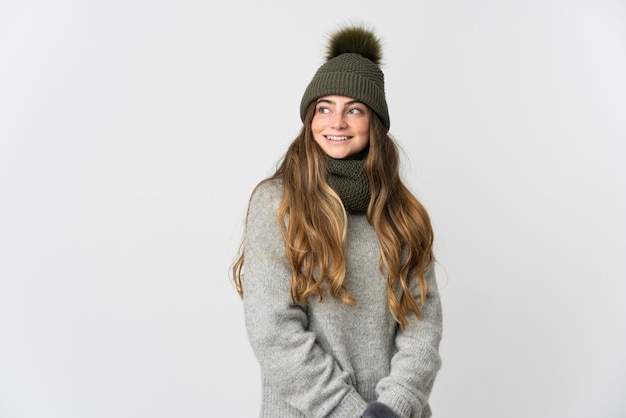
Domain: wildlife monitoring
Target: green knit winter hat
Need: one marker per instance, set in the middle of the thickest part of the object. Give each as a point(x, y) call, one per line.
point(352, 69)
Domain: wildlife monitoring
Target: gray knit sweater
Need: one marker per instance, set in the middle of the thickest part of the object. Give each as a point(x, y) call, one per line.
point(330, 359)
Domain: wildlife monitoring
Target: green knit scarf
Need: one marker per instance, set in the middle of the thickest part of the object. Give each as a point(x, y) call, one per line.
point(348, 179)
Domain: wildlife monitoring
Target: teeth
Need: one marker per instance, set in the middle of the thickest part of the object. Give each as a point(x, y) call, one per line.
point(337, 138)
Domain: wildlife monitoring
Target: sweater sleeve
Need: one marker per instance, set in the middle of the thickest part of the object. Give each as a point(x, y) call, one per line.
point(299, 371)
point(416, 362)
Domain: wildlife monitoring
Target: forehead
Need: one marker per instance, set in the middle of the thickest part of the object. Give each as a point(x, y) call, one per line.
point(338, 100)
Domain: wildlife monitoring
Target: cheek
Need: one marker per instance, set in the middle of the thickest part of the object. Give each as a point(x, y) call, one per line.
point(365, 129)
point(364, 126)
point(316, 124)
point(316, 130)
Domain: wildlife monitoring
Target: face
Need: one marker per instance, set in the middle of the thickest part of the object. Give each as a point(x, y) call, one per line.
point(341, 126)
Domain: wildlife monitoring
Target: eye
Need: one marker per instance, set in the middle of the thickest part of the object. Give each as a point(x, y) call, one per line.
point(323, 110)
point(355, 111)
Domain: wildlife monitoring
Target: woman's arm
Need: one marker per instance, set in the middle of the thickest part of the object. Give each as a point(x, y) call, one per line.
point(416, 363)
point(291, 361)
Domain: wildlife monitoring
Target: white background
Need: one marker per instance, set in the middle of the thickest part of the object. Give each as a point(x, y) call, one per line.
point(132, 132)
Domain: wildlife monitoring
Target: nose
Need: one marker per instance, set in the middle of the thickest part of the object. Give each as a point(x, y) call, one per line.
point(339, 121)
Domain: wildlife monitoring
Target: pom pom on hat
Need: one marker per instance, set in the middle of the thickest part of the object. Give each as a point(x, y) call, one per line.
point(357, 40)
point(352, 69)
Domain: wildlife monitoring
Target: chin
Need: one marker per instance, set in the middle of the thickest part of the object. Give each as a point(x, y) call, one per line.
point(338, 156)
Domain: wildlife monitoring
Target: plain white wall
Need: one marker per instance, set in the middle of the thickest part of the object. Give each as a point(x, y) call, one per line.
point(132, 132)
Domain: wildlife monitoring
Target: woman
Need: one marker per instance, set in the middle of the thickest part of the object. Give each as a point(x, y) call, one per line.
point(340, 299)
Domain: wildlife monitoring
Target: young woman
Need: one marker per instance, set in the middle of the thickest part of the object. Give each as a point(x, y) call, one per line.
point(341, 303)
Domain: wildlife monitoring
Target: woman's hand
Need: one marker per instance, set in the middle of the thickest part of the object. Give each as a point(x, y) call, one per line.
point(378, 410)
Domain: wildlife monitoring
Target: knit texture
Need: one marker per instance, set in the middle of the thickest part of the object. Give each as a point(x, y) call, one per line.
point(328, 359)
point(348, 179)
point(350, 75)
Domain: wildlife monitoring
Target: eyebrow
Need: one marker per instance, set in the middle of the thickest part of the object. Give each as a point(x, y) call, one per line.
point(351, 102)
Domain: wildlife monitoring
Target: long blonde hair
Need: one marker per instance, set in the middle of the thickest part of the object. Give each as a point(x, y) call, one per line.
point(317, 222)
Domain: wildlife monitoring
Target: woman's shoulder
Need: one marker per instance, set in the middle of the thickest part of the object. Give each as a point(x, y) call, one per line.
point(266, 197)
point(269, 190)
point(269, 187)
point(262, 220)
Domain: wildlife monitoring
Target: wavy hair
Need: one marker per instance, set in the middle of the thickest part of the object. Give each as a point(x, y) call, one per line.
point(314, 223)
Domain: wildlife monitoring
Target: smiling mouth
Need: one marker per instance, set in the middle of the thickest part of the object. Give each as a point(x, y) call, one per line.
point(337, 137)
